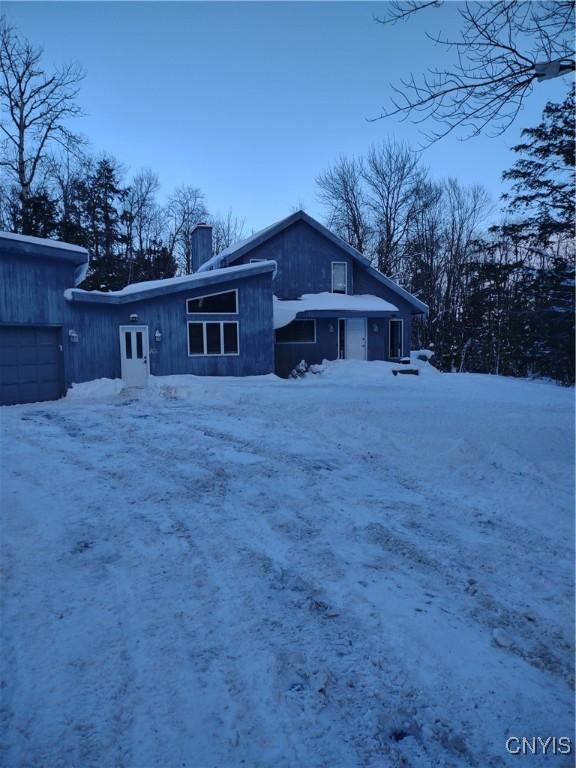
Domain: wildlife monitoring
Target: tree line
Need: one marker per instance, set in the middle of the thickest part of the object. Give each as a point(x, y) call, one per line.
point(52, 185)
point(501, 298)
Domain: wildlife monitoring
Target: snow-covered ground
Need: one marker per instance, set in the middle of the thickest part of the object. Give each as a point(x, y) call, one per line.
point(352, 569)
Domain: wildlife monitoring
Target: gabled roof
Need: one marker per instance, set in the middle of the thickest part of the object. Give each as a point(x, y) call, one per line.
point(151, 288)
point(43, 248)
point(235, 251)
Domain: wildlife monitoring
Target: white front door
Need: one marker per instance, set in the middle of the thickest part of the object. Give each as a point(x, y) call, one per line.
point(355, 346)
point(134, 354)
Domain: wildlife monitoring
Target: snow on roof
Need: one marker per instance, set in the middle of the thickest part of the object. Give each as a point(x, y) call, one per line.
point(285, 311)
point(45, 242)
point(135, 291)
point(221, 257)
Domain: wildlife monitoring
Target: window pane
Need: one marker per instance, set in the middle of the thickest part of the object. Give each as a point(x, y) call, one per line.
point(220, 303)
point(195, 338)
point(230, 338)
point(139, 354)
point(298, 331)
point(128, 340)
point(213, 339)
point(339, 278)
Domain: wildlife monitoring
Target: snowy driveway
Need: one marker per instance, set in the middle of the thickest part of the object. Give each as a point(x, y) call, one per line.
point(351, 570)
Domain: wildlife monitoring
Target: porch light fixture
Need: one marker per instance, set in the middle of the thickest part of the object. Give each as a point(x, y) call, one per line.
point(375, 327)
point(158, 336)
point(133, 318)
point(331, 328)
point(73, 335)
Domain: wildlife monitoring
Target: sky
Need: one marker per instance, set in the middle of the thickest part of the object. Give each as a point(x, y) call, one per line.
point(251, 101)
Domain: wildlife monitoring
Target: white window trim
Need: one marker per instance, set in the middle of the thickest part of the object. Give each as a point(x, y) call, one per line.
point(345, 263)
point(299, 319)
point(401, 321)
point(204, 336)
point(207, 296)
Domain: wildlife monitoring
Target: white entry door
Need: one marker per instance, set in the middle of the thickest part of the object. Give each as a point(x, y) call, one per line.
point(356, 338)
point(134, 354)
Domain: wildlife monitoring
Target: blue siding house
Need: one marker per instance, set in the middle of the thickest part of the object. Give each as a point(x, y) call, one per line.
point(330, 303)
point(293, 291)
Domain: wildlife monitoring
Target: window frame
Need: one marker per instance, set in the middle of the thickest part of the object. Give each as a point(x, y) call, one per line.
point(221, 323)
point(207, 296)
point(345, 263)
point(401, 321)
point(299, 320)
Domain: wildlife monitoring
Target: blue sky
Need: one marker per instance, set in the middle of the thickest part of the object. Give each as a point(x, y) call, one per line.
point(250, 101)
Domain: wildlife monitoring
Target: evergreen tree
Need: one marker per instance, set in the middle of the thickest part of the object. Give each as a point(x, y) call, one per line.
point(100, 200)
point(542, 196)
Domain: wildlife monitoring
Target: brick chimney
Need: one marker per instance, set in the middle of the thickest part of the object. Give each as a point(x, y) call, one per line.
point(201, 245)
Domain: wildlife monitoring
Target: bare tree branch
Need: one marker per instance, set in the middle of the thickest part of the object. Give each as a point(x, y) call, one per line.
point(504, 48)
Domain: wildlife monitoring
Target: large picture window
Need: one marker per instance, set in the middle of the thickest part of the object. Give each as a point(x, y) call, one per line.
point(212, 338)
point(297, 332)
point(225, 303)
point(339, 277)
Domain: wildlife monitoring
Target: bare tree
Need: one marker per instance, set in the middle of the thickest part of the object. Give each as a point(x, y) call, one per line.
point(503, 49)
point(342, 192)
point(392, 174)
point(226, 231)
point(35, 109)
point(186, 209)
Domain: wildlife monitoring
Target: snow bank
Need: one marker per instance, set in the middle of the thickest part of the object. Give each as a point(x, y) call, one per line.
point(95, 389)
point(286, 310)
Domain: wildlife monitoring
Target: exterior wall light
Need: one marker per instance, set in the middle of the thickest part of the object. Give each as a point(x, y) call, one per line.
point(133, 318)
point(331, 328)
point(158, 335)
point(73, 335)
point(375, 327)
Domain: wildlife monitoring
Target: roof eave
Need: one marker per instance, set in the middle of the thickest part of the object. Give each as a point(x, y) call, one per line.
point(208, 278)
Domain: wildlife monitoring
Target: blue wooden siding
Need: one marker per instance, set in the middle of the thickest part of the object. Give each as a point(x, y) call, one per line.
point(304, 265)
point(98, 351)
point(326, 348)
point(32, 294)
point(304, 261)
point(31, 290)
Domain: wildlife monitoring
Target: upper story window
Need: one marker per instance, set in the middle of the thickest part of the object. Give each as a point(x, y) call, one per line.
point(225, 303)
point(339, 277)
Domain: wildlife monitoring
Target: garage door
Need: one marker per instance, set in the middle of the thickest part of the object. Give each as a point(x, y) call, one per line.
point(31, 366)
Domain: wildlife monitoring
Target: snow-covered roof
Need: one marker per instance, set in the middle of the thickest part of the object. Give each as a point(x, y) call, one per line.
point(40, 247)
point(44, 242)
point(149, 288)
point(285, 311)
point(235, 251)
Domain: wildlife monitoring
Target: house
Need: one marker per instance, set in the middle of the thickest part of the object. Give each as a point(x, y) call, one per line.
point(330, 303)
point(290, 292)
point(53, 334)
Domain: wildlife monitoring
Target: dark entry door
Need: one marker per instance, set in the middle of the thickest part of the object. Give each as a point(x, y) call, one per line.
point(31, 366)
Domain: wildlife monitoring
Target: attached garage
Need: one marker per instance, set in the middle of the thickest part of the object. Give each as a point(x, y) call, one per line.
point(34, 317)
point(31, 364)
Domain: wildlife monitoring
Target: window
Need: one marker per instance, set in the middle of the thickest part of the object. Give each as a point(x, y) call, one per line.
point(339, 277)
point(215, 304)
point(297, 332)
point(128, 339)
point(212, 338)
point(395, 337)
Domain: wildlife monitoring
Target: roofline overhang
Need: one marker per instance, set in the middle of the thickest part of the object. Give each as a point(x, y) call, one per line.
point(197, 280)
